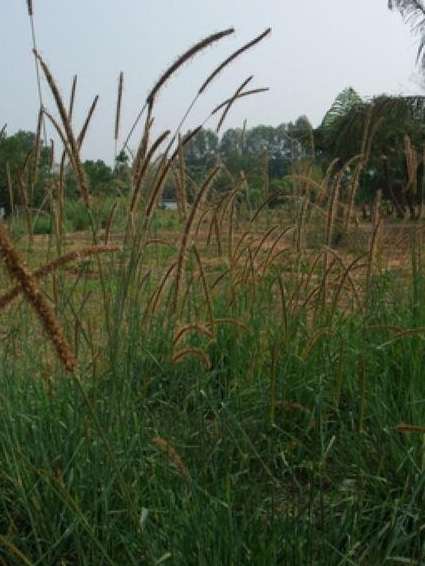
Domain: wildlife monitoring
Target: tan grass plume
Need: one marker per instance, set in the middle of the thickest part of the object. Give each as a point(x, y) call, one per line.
point(72, 142)
point(19, 271)
point(232, 57)
point(184, 58)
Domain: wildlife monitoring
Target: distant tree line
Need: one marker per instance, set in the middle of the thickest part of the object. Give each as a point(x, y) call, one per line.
point(385, 135)
point(239, 149)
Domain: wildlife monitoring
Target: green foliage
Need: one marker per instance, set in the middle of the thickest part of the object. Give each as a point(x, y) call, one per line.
point(343, 104)
point(43, 224)
point(78, 218)
point(77, 215)
point(244, 150)
point(306, 487)
point(16, 151)
point(390, 119)
point(376, 129)
point(100, 176)
point(102, 180)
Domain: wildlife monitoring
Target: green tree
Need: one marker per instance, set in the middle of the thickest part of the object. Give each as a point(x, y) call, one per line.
point(100, 176)
point(17, 152)
point(382, 130)
point(202, 152)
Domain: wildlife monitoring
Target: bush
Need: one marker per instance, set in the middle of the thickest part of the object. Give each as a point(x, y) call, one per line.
point(77, 216)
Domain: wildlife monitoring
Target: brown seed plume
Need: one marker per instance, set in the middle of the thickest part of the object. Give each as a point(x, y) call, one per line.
point(163, 174)
point(232, 100)
point(332, 211)
point(72, 97)
point(241, 95)
point(154, 301)
point(199, 46)
point(62, 135)
point(144, 167)
point(232, 57)
point(187, 231)
point(143, 146)
point(205, 286)
point(109, 223)
point(19, 271)
point(37, 148)
point(407, 428)
point(194, 327)
point(118, 110)
point(180, 355)
point(87, 121)
point(72, 142)
point(181, 182)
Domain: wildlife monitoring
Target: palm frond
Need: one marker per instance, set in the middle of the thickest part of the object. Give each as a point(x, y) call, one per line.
point(392, 116)
point(413, 12)
point(344, 102)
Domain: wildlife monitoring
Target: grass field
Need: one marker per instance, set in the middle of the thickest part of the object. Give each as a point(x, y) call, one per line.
point(274, 417)
point(216, 385)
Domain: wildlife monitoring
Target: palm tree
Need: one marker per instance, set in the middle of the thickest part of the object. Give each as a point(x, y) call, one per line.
point(413, 11)
point(384, 130)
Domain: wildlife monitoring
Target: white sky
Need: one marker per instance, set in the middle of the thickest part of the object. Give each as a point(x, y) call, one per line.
point(317, 48)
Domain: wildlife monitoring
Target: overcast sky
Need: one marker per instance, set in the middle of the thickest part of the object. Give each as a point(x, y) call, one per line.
point(317, 48)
